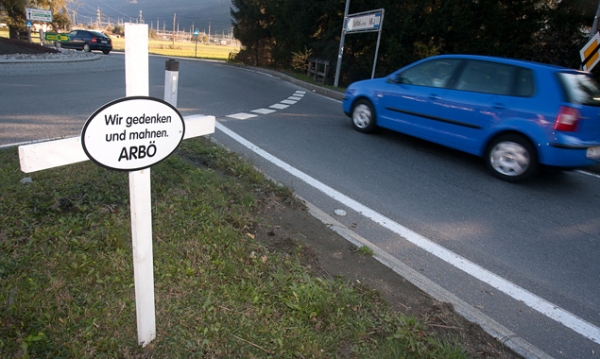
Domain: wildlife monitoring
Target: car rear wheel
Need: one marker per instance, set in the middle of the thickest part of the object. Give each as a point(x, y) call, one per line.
point(105, 52)
point(86, 48)
point(512, 158)
point(363, 116)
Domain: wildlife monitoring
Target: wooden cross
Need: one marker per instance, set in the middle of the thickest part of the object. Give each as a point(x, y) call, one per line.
point(40, 156)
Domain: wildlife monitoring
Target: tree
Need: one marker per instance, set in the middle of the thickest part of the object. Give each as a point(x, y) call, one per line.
point(15, 13)
point(550, 31)
point(564, 32)
point(251, 27)
point(15, 16)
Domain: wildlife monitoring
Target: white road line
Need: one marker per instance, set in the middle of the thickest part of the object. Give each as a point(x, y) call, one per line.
point(241, 116)
point(263, 111)
point(295, 98)
point(288, 102)
point(541, 305)
point(279, 106)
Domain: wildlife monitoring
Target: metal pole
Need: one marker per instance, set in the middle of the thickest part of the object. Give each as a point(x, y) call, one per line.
point(338, 66)
point(378, 41)
point(595, 25)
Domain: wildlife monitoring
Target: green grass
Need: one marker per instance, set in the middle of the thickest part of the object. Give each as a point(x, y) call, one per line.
point(167, 48)
point(364, 251)
point(183, 49)
point(66, 276)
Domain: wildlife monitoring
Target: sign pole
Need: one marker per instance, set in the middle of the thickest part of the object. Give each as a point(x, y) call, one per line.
point(338, 65)
point(137, 84)
point(378, 42)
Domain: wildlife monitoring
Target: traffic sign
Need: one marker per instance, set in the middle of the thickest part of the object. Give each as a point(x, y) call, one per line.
point(369, 21)
point(589, 53)
point(38, 15)
point(51, 36)
point(29, 24)
point(196, 32)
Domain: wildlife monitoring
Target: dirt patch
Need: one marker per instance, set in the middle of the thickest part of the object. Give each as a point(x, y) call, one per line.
point(295, 232)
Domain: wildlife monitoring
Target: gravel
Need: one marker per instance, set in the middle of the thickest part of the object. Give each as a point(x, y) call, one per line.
point(64, 55)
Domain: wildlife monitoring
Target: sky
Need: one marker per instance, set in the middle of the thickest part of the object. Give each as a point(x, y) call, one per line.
point(201, 14)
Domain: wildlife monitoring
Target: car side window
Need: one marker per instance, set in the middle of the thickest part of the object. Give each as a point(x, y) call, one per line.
point(524, 85)
point(487, 77)
point(434, 73)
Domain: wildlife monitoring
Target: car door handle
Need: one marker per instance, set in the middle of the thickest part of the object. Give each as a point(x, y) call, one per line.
point(434, 97)
point(499, 106)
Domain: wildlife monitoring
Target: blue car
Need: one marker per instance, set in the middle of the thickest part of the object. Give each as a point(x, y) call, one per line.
point(517, 115)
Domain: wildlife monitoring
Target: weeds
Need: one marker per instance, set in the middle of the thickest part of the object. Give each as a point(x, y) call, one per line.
point(364, 251)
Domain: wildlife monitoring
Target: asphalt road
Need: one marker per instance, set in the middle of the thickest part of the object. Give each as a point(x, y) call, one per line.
point(533, 246)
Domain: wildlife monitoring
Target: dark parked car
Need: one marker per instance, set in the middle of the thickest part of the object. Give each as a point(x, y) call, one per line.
point(515, 114)
point(88, 40)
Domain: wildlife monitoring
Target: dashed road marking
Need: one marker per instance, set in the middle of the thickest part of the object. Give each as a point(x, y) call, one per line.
point(263, 111)
point(241, 116)
point(282, 105)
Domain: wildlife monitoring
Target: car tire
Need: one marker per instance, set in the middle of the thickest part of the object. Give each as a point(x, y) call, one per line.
point(86, 48)
point(363, 116)
point(512, 158)
point(105, 52)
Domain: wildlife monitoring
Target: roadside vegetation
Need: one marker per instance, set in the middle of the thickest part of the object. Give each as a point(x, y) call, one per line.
point(184, 49)
point(168, 48)
point(66, 276)
point(539, 30)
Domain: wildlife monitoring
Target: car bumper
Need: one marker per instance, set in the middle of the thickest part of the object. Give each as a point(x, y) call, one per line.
point(558, 155)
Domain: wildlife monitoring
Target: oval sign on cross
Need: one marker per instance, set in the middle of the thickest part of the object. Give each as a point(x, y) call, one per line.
point(132, 133)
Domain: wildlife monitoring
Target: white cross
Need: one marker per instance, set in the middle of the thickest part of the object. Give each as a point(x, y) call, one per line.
point(40, 156)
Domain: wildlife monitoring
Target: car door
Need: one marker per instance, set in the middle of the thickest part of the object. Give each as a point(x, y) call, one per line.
point(457, 112)
point(74, 41)
point(412, 100)
point(483, 95)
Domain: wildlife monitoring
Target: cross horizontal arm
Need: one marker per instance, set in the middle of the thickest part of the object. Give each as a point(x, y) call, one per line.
point(45, 155)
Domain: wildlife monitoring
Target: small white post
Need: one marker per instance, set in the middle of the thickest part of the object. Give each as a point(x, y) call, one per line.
point(137, 84)
point(171, 81)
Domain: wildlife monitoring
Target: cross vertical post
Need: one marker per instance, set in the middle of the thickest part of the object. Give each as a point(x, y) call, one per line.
point(137, 84)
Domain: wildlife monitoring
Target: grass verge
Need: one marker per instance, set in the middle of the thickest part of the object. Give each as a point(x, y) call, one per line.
point(66, 276)
point(183, 49)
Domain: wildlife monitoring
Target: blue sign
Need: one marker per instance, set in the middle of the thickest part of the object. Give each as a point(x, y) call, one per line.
point(196, 32)
point(29, 24)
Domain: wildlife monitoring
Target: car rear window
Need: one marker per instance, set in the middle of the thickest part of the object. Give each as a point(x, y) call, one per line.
point(580, 88)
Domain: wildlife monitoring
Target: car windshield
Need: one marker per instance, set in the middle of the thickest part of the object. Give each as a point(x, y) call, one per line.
point(581, 88)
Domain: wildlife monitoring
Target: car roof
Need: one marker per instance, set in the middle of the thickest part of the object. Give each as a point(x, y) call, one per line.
point(509, 61)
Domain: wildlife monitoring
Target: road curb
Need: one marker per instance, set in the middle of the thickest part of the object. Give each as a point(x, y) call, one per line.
point(45, 61)
point(508, 338)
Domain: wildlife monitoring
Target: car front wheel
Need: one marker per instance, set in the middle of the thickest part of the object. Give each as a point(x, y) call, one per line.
point(512, 158)
point(363, 116)
point(86, 48)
